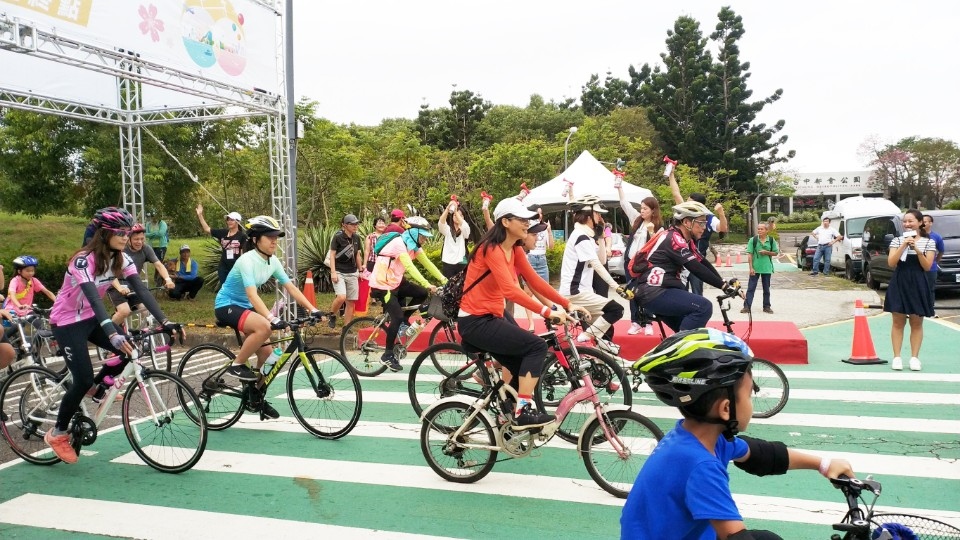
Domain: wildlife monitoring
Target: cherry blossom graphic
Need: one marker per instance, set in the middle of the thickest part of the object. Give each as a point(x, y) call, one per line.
point(150, 23)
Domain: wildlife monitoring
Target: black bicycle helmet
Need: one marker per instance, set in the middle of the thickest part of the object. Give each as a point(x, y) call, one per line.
point(112, 217)
point(24, 261)
point(691, 363)
point(263, 226)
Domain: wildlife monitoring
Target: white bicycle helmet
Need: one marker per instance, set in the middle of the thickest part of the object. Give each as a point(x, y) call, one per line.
point(264, 226)
point(587, 203)
point(689, 209)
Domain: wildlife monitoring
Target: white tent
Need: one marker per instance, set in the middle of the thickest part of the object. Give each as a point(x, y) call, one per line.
point(589, 177)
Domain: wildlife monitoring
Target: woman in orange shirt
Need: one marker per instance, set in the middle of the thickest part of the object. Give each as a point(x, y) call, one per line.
point(491, 279)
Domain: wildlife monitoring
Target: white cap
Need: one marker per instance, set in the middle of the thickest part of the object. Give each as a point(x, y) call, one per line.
point(234, 216)
point(513, 207)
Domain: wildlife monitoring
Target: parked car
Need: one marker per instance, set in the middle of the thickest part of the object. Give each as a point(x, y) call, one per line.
point(848, 217)
point(805, 251)
point(615, 261)
point(878, 232)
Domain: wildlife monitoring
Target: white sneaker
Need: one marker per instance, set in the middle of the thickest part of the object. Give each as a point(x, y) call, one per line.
point(583, 337)
point(915, 364)
point(897, 364)
point(608, 346)
point(635, 329)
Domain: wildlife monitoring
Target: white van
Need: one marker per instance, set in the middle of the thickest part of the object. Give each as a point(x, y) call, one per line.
point(848, 217)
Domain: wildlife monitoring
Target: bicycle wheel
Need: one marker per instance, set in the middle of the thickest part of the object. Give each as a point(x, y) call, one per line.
point(48, 353)
point(30, 400)
point(449, 456)
point(324, 393)
point(636, 436)
point(360, 345)
point(164, 422)
point(444, 332)
point(612, 383)
point(924, 528)
point(221, 395)
point(430, 376)
point(771, 388)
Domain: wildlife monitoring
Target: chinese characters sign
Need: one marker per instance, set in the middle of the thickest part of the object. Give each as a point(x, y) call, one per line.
point(75, 11)
point(831, 183)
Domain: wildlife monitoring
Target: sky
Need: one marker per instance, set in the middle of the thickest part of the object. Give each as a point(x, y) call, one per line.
point(851, 71)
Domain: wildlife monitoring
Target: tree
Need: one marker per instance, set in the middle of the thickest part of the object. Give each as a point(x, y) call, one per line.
point(924, 169)
point(468, 111)
point(600, 100)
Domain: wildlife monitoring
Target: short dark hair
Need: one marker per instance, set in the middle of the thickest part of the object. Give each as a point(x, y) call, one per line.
point(825, 219)
point(928, 216)
point(699, 197)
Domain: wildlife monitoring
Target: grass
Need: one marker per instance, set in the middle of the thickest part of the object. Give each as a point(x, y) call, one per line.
point(50, 238)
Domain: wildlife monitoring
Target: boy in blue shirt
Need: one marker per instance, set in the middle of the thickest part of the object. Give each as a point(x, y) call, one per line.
point(683, 490)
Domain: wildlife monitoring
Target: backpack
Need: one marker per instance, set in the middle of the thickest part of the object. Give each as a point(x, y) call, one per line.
point(383, 241)
point(452, 294)
point(639, 261)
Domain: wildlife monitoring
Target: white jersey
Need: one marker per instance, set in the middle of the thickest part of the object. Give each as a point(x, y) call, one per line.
point(576, 274)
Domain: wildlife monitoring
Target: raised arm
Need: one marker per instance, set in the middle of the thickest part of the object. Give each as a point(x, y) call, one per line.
point(203, 222)
point(675, 189)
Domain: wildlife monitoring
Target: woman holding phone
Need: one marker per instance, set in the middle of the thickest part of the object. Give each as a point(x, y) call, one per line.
point(911, 257)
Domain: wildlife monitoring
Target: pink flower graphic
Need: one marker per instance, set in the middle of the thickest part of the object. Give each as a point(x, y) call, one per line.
point(150, 22)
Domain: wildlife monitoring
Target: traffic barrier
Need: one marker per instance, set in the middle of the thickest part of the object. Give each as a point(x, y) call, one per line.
point(863, 352)
point(308, 289)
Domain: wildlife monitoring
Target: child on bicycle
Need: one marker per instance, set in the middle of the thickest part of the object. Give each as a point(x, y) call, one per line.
point(239, 306)
point(683, 490)
point(79, 316)
point(389, 284)
point(23, 286)
point(483, 323)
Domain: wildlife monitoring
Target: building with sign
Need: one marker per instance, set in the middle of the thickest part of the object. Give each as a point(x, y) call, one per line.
point(818, 191)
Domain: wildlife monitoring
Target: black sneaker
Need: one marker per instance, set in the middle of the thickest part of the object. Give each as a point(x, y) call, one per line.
point(530, 418)
point(268, 411)
point(332, 321)
point(389, 360)
point(242, 372)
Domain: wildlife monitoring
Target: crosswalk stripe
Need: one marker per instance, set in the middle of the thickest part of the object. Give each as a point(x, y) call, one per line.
point(117, 519)
point(504, 484)
point(876, 423)
point(877, 464)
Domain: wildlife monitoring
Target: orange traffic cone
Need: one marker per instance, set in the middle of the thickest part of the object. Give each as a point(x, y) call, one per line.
point(738, 257)
point(308, 289)
point(729, 260)
point(863, 352)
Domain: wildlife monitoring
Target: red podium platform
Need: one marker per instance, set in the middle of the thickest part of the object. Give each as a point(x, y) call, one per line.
point(778, 341)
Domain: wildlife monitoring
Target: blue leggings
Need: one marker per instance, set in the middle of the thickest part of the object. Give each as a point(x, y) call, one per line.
point(681, 310)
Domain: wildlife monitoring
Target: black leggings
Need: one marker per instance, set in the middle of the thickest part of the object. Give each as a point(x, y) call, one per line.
point(519, 351)
point(393, 303)
point(73, 339)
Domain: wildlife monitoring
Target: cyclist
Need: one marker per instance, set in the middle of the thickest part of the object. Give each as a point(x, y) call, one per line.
point(482, 322)
point(139, 252)
point(580, 262)
point(389, 285)
point(239, 306)
point(664, 265)
point(79, 316)
point(23, 286)
point(683, 489)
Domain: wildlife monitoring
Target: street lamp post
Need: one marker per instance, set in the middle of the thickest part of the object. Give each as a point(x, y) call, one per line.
point(565, 143)
point(566, 214)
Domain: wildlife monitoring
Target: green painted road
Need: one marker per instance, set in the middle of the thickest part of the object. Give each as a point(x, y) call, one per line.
point(270, 478)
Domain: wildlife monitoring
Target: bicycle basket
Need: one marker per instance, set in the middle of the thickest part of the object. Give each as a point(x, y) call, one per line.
point(923, 528)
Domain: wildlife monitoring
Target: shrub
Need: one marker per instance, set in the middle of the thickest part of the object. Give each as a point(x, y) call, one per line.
point(555, 258)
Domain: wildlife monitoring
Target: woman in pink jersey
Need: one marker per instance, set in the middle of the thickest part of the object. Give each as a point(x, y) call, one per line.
point(79, 316)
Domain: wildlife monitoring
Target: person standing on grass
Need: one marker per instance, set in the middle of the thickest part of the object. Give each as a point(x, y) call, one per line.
point(760, 252)
point(345, 260)
point(231, 241)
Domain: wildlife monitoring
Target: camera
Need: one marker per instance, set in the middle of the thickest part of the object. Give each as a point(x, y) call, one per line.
point(909, 234)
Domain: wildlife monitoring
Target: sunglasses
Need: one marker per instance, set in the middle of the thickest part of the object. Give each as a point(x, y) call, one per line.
point(119, 232)
point(700, 222)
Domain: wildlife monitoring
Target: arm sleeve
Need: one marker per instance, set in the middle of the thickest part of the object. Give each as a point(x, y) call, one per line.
point(428, 264)
point(148, 300)
point(709, 497)
point(705, 271)
point(628, 209)
point(536, 283)
point(411, 269)
point(603, 273)
point(502, 273)
point(89, 290)
point(465, 229)
point(443, 228)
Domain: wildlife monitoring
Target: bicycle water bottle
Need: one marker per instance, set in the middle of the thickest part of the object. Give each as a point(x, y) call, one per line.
point(415, 328)
point(271, 361)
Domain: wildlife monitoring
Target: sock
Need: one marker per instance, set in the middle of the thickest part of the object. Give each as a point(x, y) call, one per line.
point(521, 401)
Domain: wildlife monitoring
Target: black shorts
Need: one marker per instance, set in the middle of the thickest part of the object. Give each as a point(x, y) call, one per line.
point(118, 298)
point(232, 315)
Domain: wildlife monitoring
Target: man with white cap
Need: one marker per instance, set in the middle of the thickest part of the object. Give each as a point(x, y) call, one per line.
point(580, 262)
point(231, 241)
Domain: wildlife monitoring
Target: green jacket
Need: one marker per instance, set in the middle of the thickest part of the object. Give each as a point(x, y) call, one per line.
point(157, 234)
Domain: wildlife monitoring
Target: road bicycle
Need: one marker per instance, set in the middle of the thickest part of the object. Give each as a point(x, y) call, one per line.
point(161, 416)
point(363, 341)
point(33, 341)
point(771, 388)
point(159, 352)
point(461, 438)
point(323, 392)
point(446, 369)
point(863, 524)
